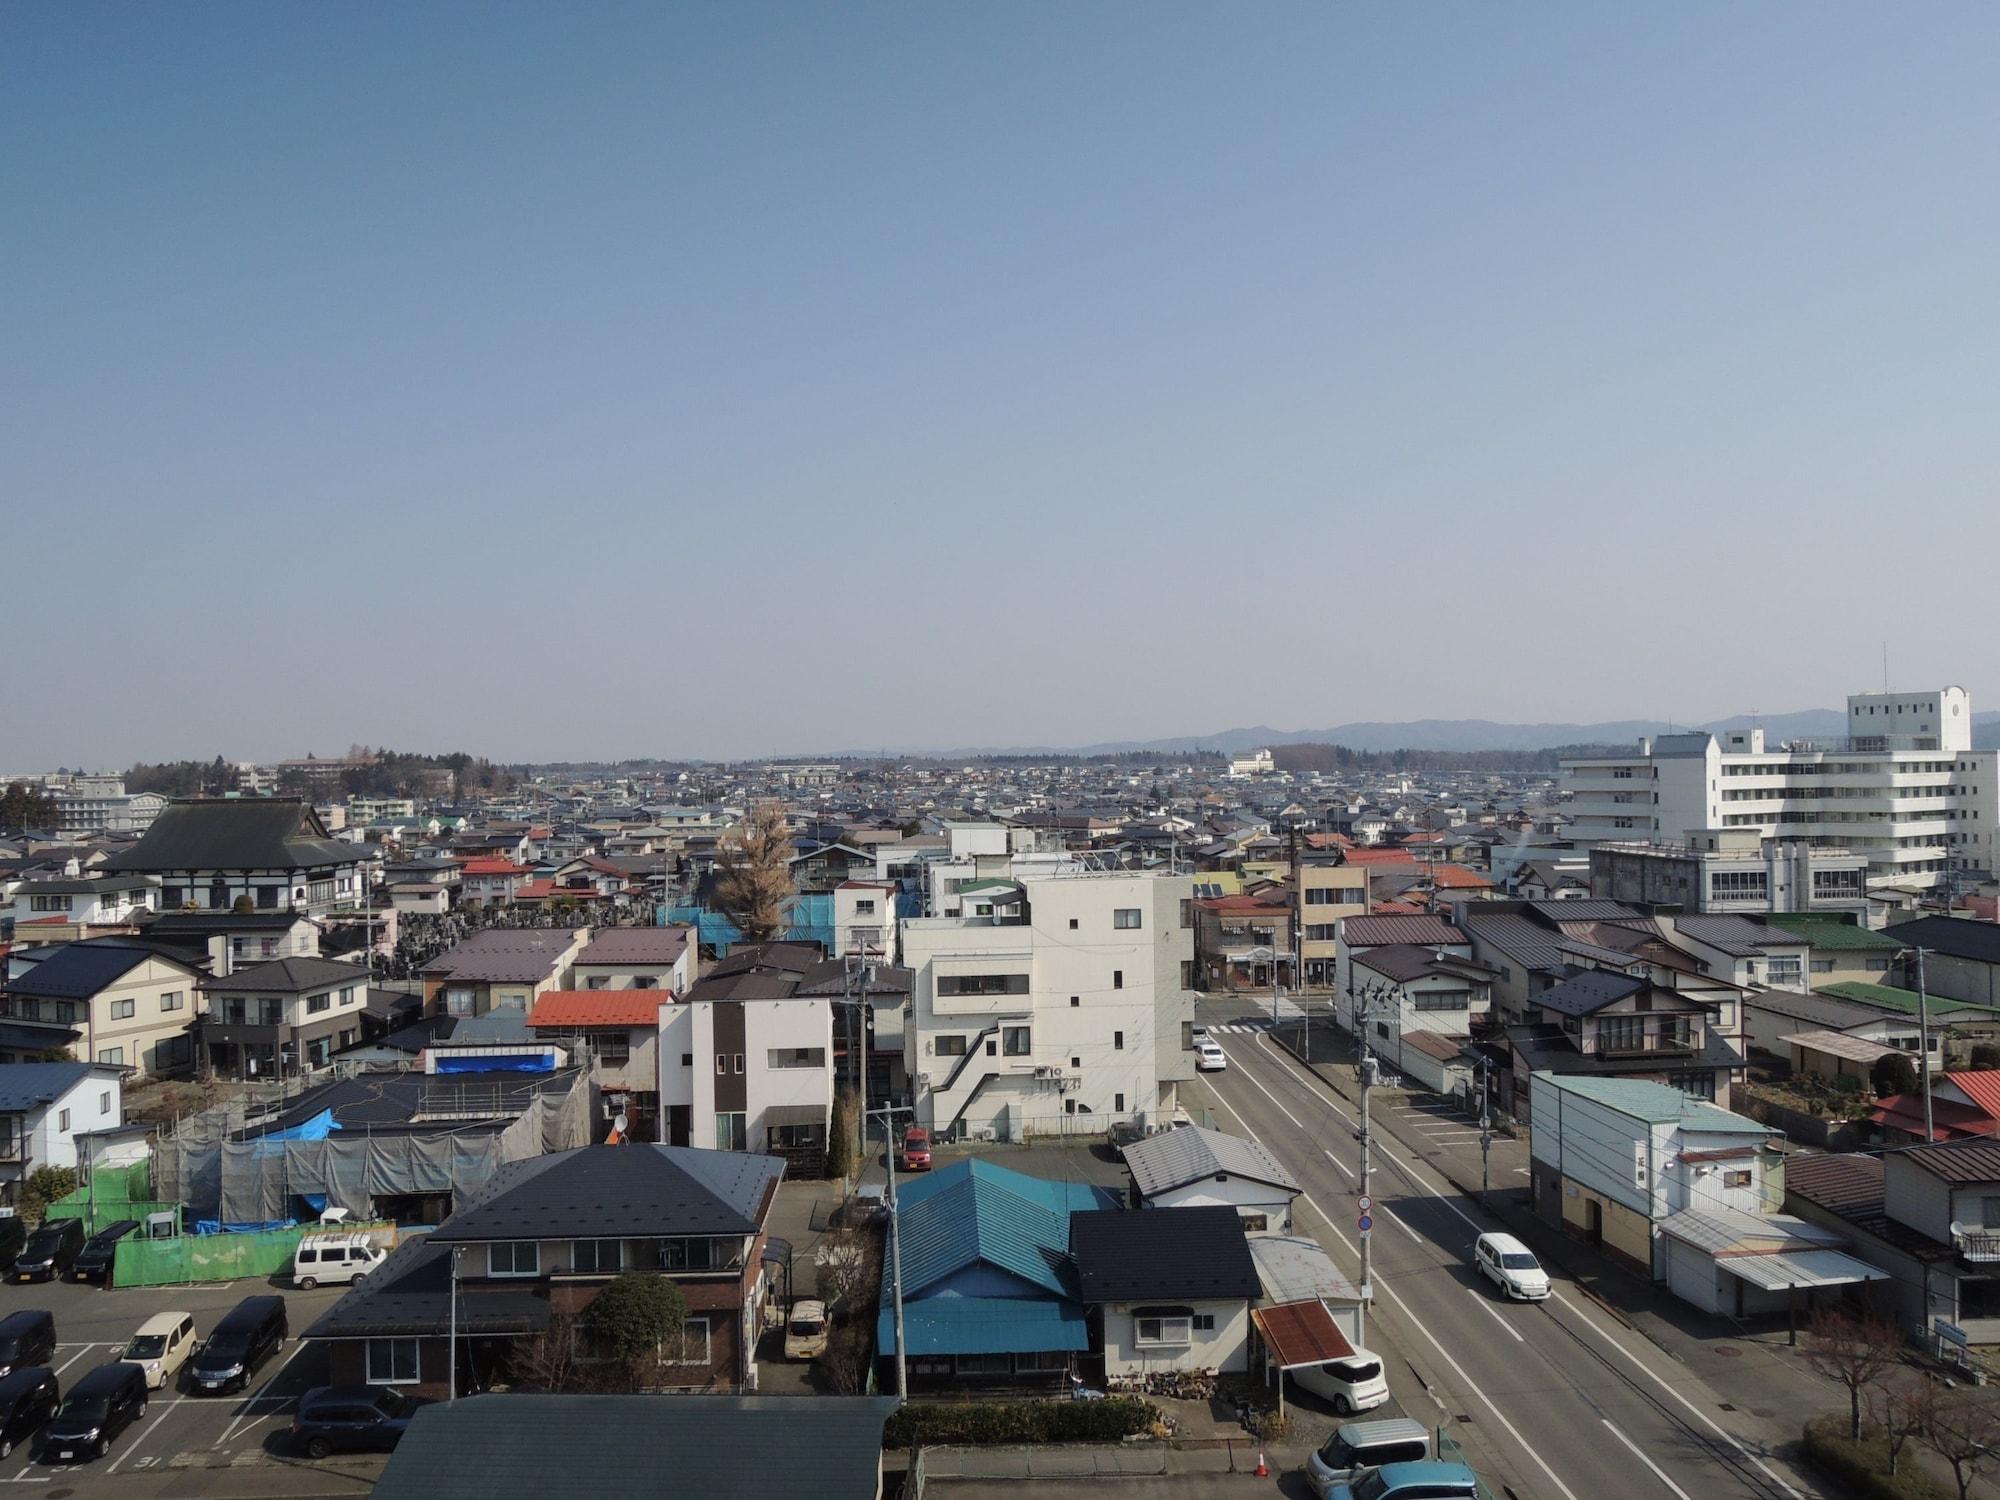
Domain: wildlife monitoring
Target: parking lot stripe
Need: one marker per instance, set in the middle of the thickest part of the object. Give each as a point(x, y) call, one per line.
point(76, 1356)
point(131, 1448)
point(298, 1348)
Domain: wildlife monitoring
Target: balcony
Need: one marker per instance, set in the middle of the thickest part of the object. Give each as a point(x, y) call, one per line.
point(1976, 1244)
point(1651, 1044)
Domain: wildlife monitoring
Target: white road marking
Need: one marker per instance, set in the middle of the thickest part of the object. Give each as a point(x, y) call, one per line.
point(1660, 1472)
point(298, 1348)
point(131, 1447)
point(76, 1356)
point(1478, 1295)
point(1396, 1218)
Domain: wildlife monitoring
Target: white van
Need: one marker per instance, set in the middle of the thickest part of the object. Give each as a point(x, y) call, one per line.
point(1511, 1266)
point(1354, 1384)
point(334, 1258)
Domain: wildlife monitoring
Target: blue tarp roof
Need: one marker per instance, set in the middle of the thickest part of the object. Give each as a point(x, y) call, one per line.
point(985, 1325)
point(811, 922)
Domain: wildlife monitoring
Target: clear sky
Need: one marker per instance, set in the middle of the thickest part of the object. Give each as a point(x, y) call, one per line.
point(729, 378)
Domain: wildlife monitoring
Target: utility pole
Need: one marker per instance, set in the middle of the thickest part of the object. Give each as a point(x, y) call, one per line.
point(1364, 1220)
point(451, 1341)
point(1924, 1045)
point(889, 1113)
point(1485, 1126)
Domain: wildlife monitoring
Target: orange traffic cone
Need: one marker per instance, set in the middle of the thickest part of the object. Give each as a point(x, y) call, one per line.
point(1263, 1469)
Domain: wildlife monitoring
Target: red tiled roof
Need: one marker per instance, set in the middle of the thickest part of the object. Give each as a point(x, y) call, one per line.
point(491, 864)
point(1302, 1333)
point(1380, 857)
point(598, 1008)
point(534, 890)
point(1458, 878)
point(1981, 1087)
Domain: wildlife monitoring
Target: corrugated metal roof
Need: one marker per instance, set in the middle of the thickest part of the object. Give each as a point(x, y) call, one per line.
point(1838, 1044)
point(1301, 1333)
point(597, 1008)
point(1376, 932)
point(1959, 1161)
point(1189, 1153)
point(984, 1325)
point(1293, 1268)
point(1655, 1103)
point(1729, 1231)
point(973, 1211)
point(1801, 1268)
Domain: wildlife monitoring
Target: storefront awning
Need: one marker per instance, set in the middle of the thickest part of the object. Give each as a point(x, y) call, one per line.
point(1800, 1268)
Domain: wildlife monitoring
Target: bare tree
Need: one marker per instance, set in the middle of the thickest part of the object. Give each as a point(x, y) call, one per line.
point(754, 874)
point(1903, 1406)
point(1852, 1351)
point(554, 1360)
point(1964, 1433)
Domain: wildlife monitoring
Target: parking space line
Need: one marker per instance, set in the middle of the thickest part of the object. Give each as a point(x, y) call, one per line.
point(75, 1357)
point(131, 1448)
point(298, 1348)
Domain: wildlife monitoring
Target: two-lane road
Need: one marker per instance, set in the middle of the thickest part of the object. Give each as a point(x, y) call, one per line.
point(1556, 1399)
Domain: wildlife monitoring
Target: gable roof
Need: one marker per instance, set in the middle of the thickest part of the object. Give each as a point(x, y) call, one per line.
point(290, 976)
point(1188, 1153)
point(635, 945)
point(597, 1008)
point(974, 1211)
point(606, 1191)
point(1957, 1161)
point(76, 971)
point(1376, 932)
point(1955, 937)
point(1406, 961)
point(1123, 1254)
point(26, 1086)
point(1589, 992)
point(239, 833)
point(504, 955)
point(526, 1447)
point(1734, 935)
point(1833, 933)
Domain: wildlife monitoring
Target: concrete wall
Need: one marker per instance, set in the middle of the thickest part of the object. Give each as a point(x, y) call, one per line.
point(1225, 1347)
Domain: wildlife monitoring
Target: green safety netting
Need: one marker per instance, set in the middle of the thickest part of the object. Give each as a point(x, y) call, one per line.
point(217, 1257)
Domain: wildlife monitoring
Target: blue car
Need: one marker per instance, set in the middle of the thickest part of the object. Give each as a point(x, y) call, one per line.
point(1410, 1481)
point(350, 1419)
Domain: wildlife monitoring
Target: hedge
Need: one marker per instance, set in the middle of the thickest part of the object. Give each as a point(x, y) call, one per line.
point(1861, 1469)
point(977, 1422)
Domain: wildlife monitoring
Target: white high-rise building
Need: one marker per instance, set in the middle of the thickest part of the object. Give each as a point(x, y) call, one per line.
point(1058, 1002)
point(1904, 787)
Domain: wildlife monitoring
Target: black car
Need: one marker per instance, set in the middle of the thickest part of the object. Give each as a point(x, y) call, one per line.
point(99, 1407)
point(28, 1398)
point(13, 1235)
point(27, 1338)
point(249, 1333)
point(350, 1418)
point(93, 1261)
point(50, 1251)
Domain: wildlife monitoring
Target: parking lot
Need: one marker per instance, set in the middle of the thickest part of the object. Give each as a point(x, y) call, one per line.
point(182, 1434)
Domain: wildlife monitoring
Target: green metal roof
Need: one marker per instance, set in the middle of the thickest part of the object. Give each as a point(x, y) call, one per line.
point(1655, 1103)
point(995, 883)
point(1904, 1002)
point(1834, 933)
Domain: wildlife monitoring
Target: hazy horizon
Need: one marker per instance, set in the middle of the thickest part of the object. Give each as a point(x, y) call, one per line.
point(717, 382)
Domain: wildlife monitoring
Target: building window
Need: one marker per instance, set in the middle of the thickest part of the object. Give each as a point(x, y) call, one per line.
point(124, 1010)
point(1204, 1322)
point(1118, 1104)
point(1014, 1041)
point(722, 1065)
point(104, 1102)
point(1046, 1362)
point(730, 1131)
point(864, 908)
point(1118, 979)
point(1125, 918)
point(796, 1057)
point(613, 1047)
point(982, 984)
point(1738, 1179)
point(1162, 1331)
point(173, 1000)
point(951, 1046)
point(597, 982)
point(514, 1258)
point(112, 1055)
point(62, 1121)
point(347, 995)
point(393, 1362)
point(646, 982)
point(319, 1004)
point(982, 1364)
point(801, 1137)
point(1256, 1223)
point(1117, 1041)
point(1075, 1001)
point(596, 1257)
point(688, 1347)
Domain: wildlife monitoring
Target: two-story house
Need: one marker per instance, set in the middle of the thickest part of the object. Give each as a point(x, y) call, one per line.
point(272, 853)
point(489, 880)
point(637, 958)
point(237, 940)
point(1401, 989)
point(1244, 940)
point(123, 1001)
point(279, 1019)
point(59, 911)
point(620, 1030)
point(500, 967)
point(1610, 1025)
point(45, 1106)
point(864, 920)
point(541, 1242)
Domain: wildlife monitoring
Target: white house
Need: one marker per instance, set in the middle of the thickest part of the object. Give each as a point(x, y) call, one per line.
point(45, 1106)
point(48, 911)
point(864, 920)
point(750, 1075)
point(1191, 1166)
point(1172, 1290)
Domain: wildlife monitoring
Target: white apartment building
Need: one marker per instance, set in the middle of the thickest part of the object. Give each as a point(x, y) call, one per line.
point(864, 920)
point(89, 805)
point(1904, 788)
point(1731, 870)
point(1062, 1002)
point(977, 852)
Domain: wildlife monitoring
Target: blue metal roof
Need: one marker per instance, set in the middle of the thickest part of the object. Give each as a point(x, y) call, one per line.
point(984, 1325)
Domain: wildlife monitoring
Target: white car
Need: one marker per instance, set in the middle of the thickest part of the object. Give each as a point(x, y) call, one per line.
point(1210, 1058)
point(161, 1346)
point(1354, 1384)
point(1511, 1266)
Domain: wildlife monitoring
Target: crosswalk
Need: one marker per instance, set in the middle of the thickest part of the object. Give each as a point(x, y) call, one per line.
point(1240, 1028)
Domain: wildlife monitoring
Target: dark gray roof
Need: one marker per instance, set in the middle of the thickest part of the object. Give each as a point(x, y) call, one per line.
point(1956, 937)
point(1406, 961)
point(382, 1101)
point(522, 1447)
point(85, 887)
point(76, 971)
point(1582, 911)
point(1125, 1254)
point(1544, 1048)
point(1588, 993)
point(244, 833)
point(607, 1191)
point(504, 955)
point(635, 945)
point(410, 1293)
point(26, 1086)
point(1734, 935)
point(1189, 1153)
point(290, 976)
point(190, 924)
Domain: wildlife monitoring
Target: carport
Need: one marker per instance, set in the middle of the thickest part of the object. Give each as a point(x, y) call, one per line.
point(1296, 1334)
point(1789, 1271)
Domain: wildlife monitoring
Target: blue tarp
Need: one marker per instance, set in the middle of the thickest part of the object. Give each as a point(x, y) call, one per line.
point(318, 1128)
point(487, 1062)
point(216, 1226)
point(811, 921)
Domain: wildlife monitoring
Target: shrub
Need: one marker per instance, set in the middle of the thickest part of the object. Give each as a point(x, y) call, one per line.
point(1861, 1469)
point(43, 1187)
point(979, 1422)
point(634, 1314)
point(1986, 1055)
point(1893, 1073)
point(1270, 1427)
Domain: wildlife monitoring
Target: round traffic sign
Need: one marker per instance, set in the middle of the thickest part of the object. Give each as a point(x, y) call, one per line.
point(1364, 1223)
point(1363, 1204)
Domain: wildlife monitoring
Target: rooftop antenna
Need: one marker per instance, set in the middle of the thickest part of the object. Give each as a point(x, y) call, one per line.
point(1885, 665)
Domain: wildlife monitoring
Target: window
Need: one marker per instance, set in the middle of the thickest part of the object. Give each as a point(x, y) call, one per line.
point(1190, 974)
point(51, 903)
point(104, 1103)
point(1256, 1223)
point(804, 1136)
point(646, 982)
point(1075, 1001)
point(730, 1131)
point(981, 1364)
point(597, 982)
point(613, 1047)
point(514, 1258)
point(124, 1010)
point(1162, 1331)
point(687, 1059)
point(1117, 1041)
point(1046, 1362)
point(736, 1063)
point(347, 995)
point(173, 1000)
point(1125, 919)
point(722, 1065)
point(1204, 1322)
point(689, 1346)
point(796, 1057)
point(319, 1004)
point(1118, 979)
point(1072, 924)
point(951, 1046)
point(392, 1362)
point(1989, 1213)
point(1737, 1179)
point(982, 984)
point(113, 1055)
point(1014, 1041)
point(62, 1120)
point(596, 1257)
point(1118, 1104)
point(864, 908)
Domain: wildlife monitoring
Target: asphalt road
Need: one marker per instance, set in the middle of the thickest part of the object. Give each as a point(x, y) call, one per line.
point(1553, 1400)
point(185, 1444)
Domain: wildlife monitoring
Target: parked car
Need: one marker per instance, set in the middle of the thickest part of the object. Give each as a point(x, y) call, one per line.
point(1410, 1481)
point(1353, 1384)
point(27, 1338)
point(1210, 1058)
point(99, 1407)
point(1511, 1266)
point(868, 1205)
point(28, 1398)
point(50, 1250)
point(94, 1260)
point(161, 1346)
point(1357, 1447)
point(249, 1333)
point(915, 1155)
point(335, 1259)
point(350, 1418)
point(13, 1235)
point(805, 1330)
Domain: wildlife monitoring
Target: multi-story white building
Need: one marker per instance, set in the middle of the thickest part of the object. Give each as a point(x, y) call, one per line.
point(1731, 870)
point(1059, 1002)
point(1904, 788)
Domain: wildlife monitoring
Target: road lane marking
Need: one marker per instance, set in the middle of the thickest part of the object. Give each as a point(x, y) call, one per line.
point(1660, 1472)
point(1396, 1218)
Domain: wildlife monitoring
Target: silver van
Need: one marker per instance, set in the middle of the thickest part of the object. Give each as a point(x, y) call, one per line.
point(1357, 1447)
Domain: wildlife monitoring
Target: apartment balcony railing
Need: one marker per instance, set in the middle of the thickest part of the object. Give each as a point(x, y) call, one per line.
point(1649, 1046)
point(1976, 1244)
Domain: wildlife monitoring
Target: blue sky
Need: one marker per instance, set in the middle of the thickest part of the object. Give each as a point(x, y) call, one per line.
point(731, 379)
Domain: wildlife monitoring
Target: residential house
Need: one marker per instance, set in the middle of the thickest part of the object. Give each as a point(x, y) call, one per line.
point(60, 911)
point(501, 966)
point(637, 958)
point(45, 1106)
point(528, 1447)
point(489, 880)
point(1843, 950)
point(1961, 957)
point(1071, 996)
point(1407, 990)
point(273, 852)
point(1328, 890)
point(1741, 951)
point(123, 1001)
point(1192, 1166)
point(542, 1241)
point(236, 940)
point(1244, 941)
point(864, 920)
point(990, 1291)
point(1166, 1291)
point(1358, 935)
point(621, 1030)
point(278, 1019)
point(1611, 1025)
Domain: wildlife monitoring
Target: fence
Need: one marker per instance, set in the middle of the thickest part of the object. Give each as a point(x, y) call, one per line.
point(218, 1257)
point(113, 1193)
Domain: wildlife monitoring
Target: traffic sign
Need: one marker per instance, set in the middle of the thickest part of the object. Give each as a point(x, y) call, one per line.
point(1363, 1204)
point(1364, 1223)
